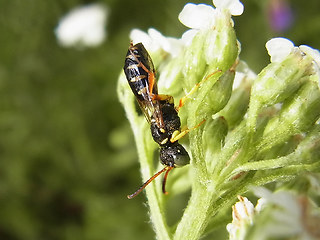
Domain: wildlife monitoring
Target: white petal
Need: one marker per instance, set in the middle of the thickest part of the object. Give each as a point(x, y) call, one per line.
point(138, 36)
point(188, 36)
point(158, 40)
point(244, 208)
point(83, 25)
point(234, 6)
point(279, 48)
point(154, 40)
point(242, 215)
point(149, 40)
point(243, 74)
point(261, 203)
point(176, 46)
point(197, 16)
point(314, 53)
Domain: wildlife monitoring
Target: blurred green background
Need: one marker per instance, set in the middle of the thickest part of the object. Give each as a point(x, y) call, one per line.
point(67, 154)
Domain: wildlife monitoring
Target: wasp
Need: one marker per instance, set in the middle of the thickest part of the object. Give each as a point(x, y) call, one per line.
point(159, 111)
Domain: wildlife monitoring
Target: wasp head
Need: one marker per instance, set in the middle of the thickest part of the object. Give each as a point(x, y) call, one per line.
point(174, 155)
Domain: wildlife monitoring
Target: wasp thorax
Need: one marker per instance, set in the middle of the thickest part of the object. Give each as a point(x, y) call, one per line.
point(159, 136)
point(174, 155)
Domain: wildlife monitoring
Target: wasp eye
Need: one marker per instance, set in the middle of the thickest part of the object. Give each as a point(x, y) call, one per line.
point(174, 155)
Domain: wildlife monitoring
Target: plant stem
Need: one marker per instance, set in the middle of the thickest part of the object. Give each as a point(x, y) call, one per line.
point(196, 215)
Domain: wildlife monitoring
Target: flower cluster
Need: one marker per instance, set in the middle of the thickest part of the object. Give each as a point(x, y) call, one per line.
point(193, 16)
point(259, 129)
point(279, 215)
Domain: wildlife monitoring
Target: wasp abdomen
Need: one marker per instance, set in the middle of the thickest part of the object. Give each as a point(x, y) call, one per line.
point(138, 69)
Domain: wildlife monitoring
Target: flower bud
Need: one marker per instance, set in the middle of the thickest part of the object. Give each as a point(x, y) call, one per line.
point(279, 80)
point(212, 49)
point(214, 133)
point(218, 96)
point(237, 106)
point(298, 115)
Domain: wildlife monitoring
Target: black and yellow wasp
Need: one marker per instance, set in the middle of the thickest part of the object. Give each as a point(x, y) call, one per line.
point(159, 111)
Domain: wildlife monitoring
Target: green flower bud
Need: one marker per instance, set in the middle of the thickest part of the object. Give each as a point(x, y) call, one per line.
point(221, 46)
point(237, 106)
point(214, 133)
point(212, 49)
point(194, 62)
point(309, 148)
point(298, 114)
point(213, 139)
point(171, 77)
point(218, 96)
point(279, 80)
point(303, 110)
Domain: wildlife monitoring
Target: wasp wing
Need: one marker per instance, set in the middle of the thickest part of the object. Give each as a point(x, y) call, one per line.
point(140, 74)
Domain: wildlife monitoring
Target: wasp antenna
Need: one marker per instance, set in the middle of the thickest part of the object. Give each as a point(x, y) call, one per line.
point(165, 179)
point(147, 182)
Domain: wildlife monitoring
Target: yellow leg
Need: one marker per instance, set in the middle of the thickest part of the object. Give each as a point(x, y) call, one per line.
point(163, 97)
point(185, 98)
point(177, 135)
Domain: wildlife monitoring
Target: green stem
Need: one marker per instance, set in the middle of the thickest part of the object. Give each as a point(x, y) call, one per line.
point(196, 215)
point(145, 153)
point(253, 111)
point(157, 215)
point(155, 204)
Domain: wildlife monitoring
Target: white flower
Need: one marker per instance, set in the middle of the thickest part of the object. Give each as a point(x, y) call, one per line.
point(154, 40)
point(243, 74)
point(279, 49)
point(202, 16)
point(287, 214)
point(197, 16)
point(194, 16)
point(284, 199)
point(137, 36)
point(277, 215)
point(314, 53)
point(187, 36)
point(83, 26)
point(234, 6)
point(242, 215)
point(243, 210)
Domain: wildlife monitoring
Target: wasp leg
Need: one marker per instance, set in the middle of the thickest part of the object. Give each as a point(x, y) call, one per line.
point(195, 88)
point(165, 179)
point(179, 134)
point(167, 168)
point(151, 77)
point(163, 97)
